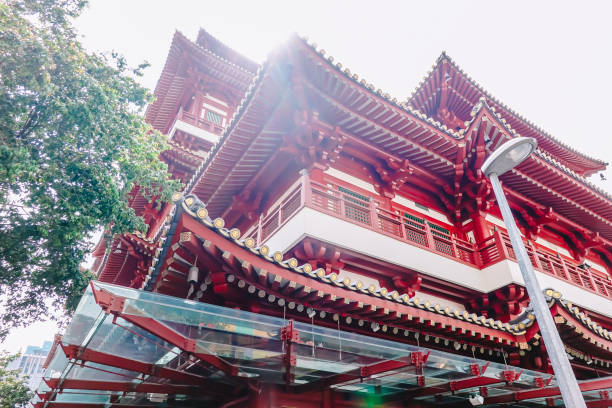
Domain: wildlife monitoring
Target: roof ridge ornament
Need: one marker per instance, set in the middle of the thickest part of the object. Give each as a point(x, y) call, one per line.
point(443, 57)
point(482, 102)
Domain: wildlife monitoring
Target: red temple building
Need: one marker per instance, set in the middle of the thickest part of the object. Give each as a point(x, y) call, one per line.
point(337, 247)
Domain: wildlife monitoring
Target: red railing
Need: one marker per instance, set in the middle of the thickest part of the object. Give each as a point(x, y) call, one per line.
point(194, 120)
point(367, 212)
point(550, 263)
point(395, 223)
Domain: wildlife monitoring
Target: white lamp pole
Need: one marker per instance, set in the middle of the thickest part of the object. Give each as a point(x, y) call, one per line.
point(503, 159)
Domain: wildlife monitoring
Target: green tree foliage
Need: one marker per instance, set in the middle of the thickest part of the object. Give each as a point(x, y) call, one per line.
point(73, 144)
point(14, 393)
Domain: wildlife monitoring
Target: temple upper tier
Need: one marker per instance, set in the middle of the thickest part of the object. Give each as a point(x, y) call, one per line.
point(448, 94)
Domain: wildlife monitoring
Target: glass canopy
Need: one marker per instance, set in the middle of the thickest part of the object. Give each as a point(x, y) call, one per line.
point(131, 347)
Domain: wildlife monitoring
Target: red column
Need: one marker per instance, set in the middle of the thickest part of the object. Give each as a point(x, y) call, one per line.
point(481, 228)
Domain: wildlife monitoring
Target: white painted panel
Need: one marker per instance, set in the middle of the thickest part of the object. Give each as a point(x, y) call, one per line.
point(499, 222)
point(579, 296)
point(470, 236)
point(309, 222)
point(350, 179)
point(597, 266)
point(495, 221)
point(219, 101)
point(214, 109)
point(193, 130)
point(554, 247)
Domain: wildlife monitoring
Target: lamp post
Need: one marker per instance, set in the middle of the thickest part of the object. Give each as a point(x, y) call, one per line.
point(503, 159)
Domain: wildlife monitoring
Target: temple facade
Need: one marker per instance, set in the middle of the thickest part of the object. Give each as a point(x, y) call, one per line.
point(337, 247)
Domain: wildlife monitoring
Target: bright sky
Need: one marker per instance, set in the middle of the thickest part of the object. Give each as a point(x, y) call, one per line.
point(548, 60)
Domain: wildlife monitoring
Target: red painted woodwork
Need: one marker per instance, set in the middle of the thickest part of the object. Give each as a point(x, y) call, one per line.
point(448, 90)
point(127, 386)
point(403, 224)
point(73, 351)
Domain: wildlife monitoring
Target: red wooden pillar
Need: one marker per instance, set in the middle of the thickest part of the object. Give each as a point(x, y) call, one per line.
point(196, 106)
point(289, 337)
point(481, 228)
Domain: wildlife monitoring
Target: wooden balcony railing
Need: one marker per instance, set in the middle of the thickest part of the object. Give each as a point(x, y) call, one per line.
point(367, 212)
point(194, 120)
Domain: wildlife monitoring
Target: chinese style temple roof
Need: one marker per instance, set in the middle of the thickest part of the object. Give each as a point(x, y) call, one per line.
point(534, 176)
point(208, 42)
point(583, 337)
point(465, 94)
point(185, 63)
point(266, 277)
point(126, 347)
point(299, 75)
point(270, 271)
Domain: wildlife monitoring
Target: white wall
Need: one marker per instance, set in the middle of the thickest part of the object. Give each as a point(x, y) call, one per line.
point(219, 101)
point(547, 244)
point(553, 247)
point(350, 179)
point(309, 222)
point(412, 205)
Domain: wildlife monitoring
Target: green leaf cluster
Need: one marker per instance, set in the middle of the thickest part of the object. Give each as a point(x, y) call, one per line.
point(14, 392)
point(73, 145)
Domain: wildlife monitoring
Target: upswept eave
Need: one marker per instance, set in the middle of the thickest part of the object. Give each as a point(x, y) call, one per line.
point(582, 187)
point(517, 333)
point(547, 157)
point(588, 165)
point(208, 42)
point(378, 94)
point(582, 195)
point(170, 86)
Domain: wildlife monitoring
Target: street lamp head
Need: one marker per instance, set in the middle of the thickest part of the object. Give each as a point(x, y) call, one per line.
point(509, 155)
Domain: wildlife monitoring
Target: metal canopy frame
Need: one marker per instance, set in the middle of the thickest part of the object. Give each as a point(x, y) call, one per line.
point(189, 352)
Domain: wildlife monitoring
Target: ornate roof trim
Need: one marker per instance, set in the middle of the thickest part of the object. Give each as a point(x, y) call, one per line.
point(178, 40)
point(553, 298)
point(204, 36)
point(483, 105)
point(377, 92)
point(445, 57)
point(191, 205)
point(230, 126)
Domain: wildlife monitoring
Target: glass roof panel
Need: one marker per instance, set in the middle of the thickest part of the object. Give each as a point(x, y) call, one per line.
point(253, 344)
